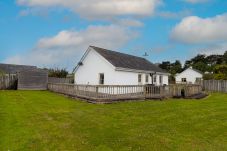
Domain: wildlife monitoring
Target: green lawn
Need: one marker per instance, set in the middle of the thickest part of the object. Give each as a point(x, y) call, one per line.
point(40, 120)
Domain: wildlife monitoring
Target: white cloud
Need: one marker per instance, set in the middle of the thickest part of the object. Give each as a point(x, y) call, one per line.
point(99, 9)
point(196, 30)
point(128, 22)
point(65, 48)
point(211, 49)
point(174, 15)
point(196, 1)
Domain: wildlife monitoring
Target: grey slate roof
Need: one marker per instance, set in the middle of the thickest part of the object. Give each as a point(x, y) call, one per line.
point(13, 69)
point(122, 60)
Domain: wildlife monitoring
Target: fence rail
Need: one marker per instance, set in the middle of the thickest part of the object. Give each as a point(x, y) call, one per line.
point(8, 82)
point(215, 85)
point(123, 92)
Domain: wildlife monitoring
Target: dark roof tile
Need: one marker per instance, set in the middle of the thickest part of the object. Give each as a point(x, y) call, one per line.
point(13, 69)
point(122, 60)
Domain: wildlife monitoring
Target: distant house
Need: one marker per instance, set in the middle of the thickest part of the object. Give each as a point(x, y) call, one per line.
point(14, 69)
point(100, 66)
point(189, 75)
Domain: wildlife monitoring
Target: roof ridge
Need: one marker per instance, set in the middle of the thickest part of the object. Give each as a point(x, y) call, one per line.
point(16, 65)
point(119, 52)
point(127, 61)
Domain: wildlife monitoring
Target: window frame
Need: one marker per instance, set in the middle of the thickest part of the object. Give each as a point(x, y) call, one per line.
point(147, 78)
point(139, 78)
point(183, 79)
point(160, 79)
point(154, 78)
point(101, 78)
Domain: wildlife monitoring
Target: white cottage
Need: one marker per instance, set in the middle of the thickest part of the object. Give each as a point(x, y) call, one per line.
point(189, 75)
point(99, 66)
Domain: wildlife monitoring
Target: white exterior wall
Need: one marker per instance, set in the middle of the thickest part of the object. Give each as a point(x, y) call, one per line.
point(94, 64)
point(190, 76)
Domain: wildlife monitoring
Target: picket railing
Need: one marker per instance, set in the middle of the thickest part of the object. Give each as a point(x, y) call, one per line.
point(8, 82)
point(123, 92)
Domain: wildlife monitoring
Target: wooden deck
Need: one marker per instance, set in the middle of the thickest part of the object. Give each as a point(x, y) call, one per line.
point(111, 93)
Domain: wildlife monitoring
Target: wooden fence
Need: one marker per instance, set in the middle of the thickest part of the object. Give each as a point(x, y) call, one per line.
point(8, 82)
point(106, 93)
point(60, 80)
point(187, 90)
point(33, 79)
point(214, 85)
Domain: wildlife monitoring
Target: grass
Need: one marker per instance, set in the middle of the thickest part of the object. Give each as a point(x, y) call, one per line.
point(40, 120)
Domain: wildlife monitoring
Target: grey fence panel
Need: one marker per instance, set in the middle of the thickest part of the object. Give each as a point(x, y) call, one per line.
point(32, 80)
point(215, 85)
point(8, 82)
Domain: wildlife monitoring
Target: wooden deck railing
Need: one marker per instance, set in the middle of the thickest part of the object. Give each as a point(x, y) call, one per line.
point(123, 92)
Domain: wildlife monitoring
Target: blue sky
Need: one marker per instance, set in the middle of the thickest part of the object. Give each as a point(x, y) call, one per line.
point(55, 33)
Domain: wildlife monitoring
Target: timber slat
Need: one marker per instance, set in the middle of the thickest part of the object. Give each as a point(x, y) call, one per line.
point(105, 93)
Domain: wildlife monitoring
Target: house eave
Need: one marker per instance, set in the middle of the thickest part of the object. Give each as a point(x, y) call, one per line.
point(139, 71)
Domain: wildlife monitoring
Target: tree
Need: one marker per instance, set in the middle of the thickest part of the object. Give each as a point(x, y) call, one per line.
point(176, 67)
point(221, 69)
point(201, 66)
point(172, 68)
point(225, 57)
point(208, 76)
point(59, 73)
point(165, 65)
point(1, 73)
point(188, 63)
point(214, 59)
point(220, 72)
point(199, 58)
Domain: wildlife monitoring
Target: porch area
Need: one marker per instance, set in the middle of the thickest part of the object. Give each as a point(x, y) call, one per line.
point(112, 93)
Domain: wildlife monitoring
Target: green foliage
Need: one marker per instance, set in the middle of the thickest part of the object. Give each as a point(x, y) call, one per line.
point(201, 66)
point(188, 63)
point(220, 72)
point(208, 76)
point(172, 79)
point(41, 120)
point(216, 64)
point(176, 67)
point(213, 64)
point(222, 69)
point(172, 68)
point(225, 57)
point(220, 76)
point(58, 73)
point(1, 73)
point(199, 58)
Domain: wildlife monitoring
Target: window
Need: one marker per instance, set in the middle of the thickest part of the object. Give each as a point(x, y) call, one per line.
point(183, 80)
point(139, 78)
point(155, 78)
point(101, 78)
point(160, 79)
point(147, 78)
